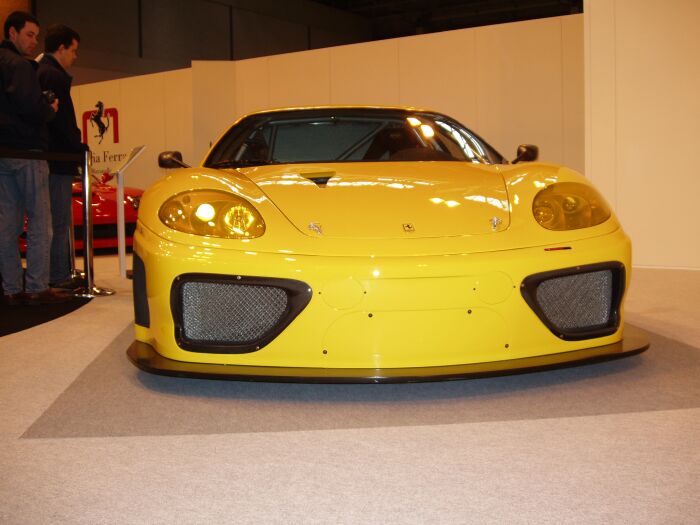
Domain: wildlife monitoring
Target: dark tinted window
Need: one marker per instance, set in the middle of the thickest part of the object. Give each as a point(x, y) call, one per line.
point(348, 135)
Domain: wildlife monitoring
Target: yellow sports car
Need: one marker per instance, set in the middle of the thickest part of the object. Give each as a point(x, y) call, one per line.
point(368, 244)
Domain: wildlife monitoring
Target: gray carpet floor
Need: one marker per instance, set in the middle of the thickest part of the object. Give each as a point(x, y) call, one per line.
point(113, 398)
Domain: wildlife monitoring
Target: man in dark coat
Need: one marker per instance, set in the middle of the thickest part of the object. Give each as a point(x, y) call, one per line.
point(24, 183)
point(60, 52)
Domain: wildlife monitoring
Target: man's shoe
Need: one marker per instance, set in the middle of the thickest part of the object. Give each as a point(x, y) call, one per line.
point(14, 299)
point(72, 283)
point(48, 296)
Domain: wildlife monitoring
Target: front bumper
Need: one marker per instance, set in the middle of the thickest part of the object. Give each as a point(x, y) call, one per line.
point(422, 314)
point(144, 356)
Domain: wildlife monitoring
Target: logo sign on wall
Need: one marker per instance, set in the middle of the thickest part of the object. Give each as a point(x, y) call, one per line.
point(100, 128)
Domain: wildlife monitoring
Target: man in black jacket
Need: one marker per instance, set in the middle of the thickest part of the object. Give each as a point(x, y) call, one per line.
point(24, 183)
point(60, 52)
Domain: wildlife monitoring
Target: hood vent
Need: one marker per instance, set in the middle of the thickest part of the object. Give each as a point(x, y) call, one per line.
point(321, 182)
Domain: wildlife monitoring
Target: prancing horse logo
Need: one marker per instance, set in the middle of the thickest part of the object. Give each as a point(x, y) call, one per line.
point(408, 227)
point(103, 118)
point(96, 119)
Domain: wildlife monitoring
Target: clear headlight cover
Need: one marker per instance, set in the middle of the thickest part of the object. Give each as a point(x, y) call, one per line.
point(569, 206)
point(213, 214)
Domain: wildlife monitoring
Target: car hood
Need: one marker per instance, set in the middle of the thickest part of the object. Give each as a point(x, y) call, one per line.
point(385, 200)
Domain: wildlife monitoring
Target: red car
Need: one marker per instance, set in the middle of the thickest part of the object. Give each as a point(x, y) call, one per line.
point(104, 214)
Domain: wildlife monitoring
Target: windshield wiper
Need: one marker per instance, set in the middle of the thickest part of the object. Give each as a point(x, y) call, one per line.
point(240, 163)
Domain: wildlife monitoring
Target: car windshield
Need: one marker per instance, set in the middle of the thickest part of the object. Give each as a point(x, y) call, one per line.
point(348, 135)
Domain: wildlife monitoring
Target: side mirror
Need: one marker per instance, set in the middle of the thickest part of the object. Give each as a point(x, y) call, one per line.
point(170, 160)
point(526, 153)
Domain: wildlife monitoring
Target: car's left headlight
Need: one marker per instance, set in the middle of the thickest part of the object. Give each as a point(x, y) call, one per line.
point(569, 206)
point(212, 213)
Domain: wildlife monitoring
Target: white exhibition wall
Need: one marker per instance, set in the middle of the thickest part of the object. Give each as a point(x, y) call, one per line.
point(643, 122)
point(512, 83)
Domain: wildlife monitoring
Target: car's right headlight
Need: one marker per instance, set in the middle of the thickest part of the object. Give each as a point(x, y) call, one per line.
point(569, 206)
point(134, 200)
point(212, 213)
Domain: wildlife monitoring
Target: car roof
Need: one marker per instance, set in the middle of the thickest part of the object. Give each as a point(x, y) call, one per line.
point(343, 106)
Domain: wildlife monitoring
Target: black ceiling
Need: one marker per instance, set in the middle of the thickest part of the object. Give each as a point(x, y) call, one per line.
point(395, 18)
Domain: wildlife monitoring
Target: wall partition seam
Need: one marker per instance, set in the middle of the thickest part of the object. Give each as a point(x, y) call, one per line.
point(230, 32)
point(139, 18)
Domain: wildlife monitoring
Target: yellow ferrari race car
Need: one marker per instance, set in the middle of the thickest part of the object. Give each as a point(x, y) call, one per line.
point(367, 244)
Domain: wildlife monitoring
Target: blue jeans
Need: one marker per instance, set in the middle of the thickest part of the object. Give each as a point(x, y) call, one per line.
point(61, 191)
point(24, 189)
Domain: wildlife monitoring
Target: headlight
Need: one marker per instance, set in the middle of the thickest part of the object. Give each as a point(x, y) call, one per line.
point(134, 200)
point(569, 206)
point(212, 213)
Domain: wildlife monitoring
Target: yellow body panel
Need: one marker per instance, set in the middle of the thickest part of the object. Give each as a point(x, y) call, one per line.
point(372, 200)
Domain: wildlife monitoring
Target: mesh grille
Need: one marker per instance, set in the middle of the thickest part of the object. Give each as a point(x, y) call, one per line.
point(229, 313)
point(580, 301)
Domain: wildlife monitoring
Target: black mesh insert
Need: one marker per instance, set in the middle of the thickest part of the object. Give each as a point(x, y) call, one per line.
point(578, 303)
point(233, 314)
point(230, 313)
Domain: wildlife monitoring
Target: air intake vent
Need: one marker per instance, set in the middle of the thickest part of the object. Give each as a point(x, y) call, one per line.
point(230, 313)
point(141, 312)
point(223, 314)
point(578, 303)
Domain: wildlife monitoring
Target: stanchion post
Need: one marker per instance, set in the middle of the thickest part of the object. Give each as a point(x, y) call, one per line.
point(74, 272)
point(121, 226)
point(90, 290)
point(121, 233)
point(87, 226)
point(71, 246)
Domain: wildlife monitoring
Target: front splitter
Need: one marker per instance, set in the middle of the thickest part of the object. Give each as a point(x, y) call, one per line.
point(146, 358)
